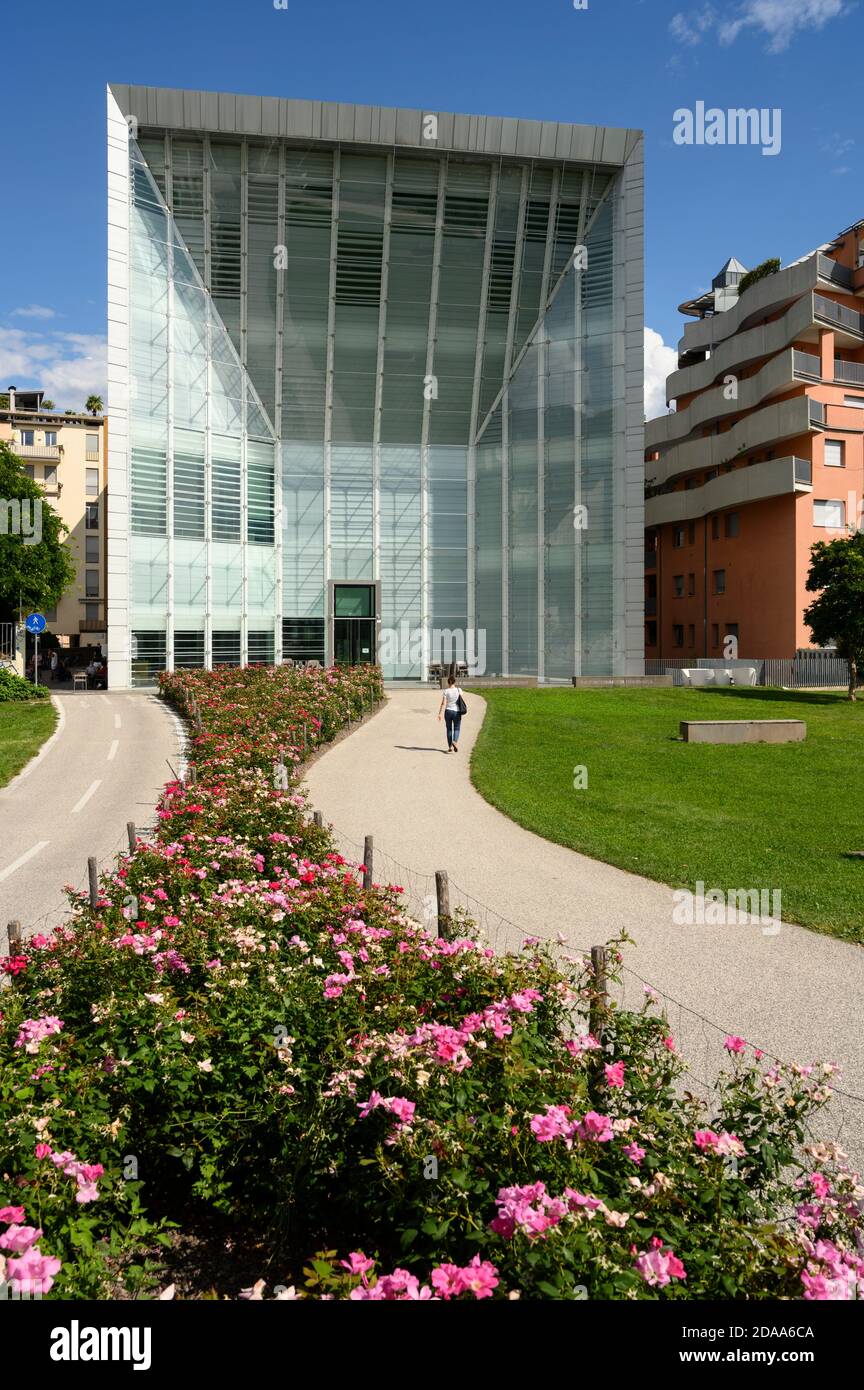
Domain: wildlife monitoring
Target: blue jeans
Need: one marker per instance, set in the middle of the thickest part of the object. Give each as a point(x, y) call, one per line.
point(453, 721)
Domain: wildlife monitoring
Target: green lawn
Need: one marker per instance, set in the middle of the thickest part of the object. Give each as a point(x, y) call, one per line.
point(23, 730)
point(752, 816)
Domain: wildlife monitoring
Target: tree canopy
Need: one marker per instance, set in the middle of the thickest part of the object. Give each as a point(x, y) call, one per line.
point(837, 615)
point(36, 567)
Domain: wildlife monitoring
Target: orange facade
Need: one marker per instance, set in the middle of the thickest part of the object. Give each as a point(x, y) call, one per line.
point(763, 456)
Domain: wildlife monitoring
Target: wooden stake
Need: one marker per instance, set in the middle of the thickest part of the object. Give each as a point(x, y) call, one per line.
point(599, 997)
point(318, 818)
point(13, 931)
point(442, 893)
point(132, 834)
point(93, 874)
point(367, 863)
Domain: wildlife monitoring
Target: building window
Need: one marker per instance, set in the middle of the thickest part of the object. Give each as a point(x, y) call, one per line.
point(715, 634)
point(731, 630)
point(719, 581)
point(91, 516)
point(91, 583)
point(29, 471)
point(677, 634)
point(92, 482)
point(92, 548)
point(857, 402)
point(715, 528)
point(834, 454)
point(91, 612)
point(678, 581)
point(678, 537)
point(50, 615)
point(829, 513)
point(26, 438)
point(651, 634)
point(91, 445)
point(51, 439)
point(731, 526)
point(691, 584)
point(49, 476)
point(692, 532)
point(691, 635)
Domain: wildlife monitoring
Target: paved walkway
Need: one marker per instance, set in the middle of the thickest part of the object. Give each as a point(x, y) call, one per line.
point(795, 993)
point(104, 765)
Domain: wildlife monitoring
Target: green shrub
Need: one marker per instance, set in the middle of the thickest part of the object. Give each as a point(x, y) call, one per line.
point(14, 687)
point(759, 272)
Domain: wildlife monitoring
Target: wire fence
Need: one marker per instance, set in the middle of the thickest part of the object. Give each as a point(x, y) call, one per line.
point(807, 671)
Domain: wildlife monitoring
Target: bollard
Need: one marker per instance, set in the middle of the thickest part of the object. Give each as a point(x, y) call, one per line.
point(318, 818)
point(442, 893)
point(93, 875)
point(367, 863)
point(13, 930)
point(132, 835)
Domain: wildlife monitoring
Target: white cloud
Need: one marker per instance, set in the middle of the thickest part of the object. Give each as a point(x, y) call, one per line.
point(660, 360)
point(68, 367)
point(33, 311)
point(778, 20)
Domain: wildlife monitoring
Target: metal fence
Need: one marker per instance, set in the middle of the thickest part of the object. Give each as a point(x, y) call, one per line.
point(7, 641)
point(806, 671)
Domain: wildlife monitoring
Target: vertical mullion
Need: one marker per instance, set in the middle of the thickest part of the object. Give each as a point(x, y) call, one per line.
point(550, 239)
point(427, 414)
point(475, 402)
point(277, 459)
point(244, 396)
point(208, 419)
point(541, 501)
point(379, 372)
point(169, 445)
point(328, 398)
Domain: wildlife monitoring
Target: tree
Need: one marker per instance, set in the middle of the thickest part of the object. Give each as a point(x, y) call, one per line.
point(36, 567)
point(48, 405)
point(93, 405)
point(837, 615)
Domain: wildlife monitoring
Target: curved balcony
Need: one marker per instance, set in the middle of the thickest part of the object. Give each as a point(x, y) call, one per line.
point(764, 341)
point(774, 478)
point(781, 374)
point(765, 297)
point(785, 420)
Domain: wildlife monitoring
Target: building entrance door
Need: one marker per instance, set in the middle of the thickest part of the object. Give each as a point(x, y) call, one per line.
point(354, 637)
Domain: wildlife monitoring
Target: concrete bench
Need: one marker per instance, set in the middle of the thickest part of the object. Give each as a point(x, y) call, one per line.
point(743, 730)
point(697, 675)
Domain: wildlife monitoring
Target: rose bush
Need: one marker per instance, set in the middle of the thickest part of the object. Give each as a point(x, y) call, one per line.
point(238, 1036)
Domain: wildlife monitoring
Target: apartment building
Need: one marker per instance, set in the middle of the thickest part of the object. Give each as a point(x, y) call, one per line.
point(67, 456)
point(763, 456)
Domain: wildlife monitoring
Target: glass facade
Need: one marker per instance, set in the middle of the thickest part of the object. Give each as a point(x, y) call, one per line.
point(371, 365)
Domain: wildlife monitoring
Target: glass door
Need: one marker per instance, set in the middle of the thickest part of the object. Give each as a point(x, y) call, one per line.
point(354, 624)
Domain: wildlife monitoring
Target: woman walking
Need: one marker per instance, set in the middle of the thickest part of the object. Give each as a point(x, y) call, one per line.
point(452, 707)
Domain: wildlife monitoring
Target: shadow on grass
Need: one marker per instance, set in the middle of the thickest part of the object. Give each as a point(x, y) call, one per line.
point(774, 693)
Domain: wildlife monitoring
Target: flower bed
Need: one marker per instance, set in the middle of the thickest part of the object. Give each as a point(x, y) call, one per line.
point(238, 1037)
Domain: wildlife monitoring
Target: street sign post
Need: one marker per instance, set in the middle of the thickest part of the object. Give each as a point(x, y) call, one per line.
point(35, 623)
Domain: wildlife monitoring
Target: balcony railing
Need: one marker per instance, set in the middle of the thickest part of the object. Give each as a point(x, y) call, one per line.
point(849, 371)
point(803, 471)
point(831, 270)
point(806, 364)
point(826, 309)
point(37, 451)
point(817, 413)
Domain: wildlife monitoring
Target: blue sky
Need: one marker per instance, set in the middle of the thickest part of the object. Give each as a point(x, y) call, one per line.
point(616, 62)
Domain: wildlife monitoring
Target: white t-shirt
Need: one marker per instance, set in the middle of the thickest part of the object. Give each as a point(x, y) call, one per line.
point(452, 696)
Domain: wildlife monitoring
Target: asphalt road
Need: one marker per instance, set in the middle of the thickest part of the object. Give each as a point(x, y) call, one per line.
point(792, 992)
point(104, 765)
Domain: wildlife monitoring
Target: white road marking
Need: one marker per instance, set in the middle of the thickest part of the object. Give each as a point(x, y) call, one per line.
point(5, 873)
point(118, 722)
point(112, 751)
point(86, 797)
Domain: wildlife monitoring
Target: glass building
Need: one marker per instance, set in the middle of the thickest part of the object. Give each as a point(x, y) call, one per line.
point(375, 388)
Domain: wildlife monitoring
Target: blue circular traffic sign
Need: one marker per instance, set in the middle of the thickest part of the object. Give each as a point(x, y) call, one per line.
point(35, 622)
